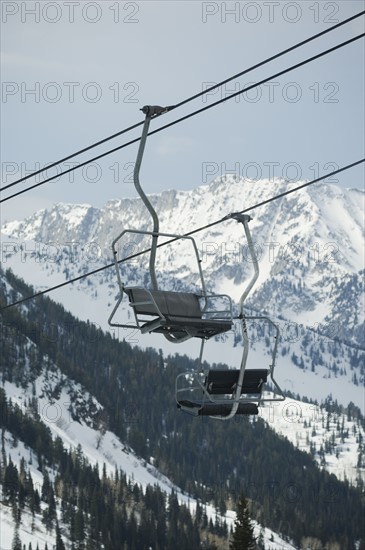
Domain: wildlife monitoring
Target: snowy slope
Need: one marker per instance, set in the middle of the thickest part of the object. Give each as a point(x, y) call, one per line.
point(98, 448)
point(295, 420)
point(311, 428)
point(30, 530)
point(38, 535)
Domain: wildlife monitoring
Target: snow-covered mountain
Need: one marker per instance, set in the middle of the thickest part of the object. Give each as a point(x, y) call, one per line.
point(310, 246)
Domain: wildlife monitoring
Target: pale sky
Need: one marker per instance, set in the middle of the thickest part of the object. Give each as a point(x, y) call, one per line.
point(75, 72)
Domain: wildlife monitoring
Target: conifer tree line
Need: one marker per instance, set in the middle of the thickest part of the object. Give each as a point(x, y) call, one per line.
point(207, 459)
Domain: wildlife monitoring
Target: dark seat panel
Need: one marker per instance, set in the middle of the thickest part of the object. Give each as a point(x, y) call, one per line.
point(198, 327)
point(220, 382)
point(253, 380)
point(215, 409)
point(174, 319)
point(181, 304)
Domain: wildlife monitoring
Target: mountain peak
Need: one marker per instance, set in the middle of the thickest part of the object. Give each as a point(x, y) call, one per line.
point(309, 244)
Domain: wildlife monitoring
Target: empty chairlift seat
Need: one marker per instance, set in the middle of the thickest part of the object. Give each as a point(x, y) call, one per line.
point(222, 384)
point(175, 313)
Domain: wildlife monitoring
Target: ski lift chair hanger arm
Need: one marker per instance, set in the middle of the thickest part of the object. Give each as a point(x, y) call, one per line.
point(244, 219)
point(149, 112)
point(189, 319)
point(221, 407)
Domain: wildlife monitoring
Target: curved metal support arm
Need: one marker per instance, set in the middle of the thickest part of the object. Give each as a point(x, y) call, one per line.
point(150, 111)
point(244, 219)
point(237, 392)
point(145, 200)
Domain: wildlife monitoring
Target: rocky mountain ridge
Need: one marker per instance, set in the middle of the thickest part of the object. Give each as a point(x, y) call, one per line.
point(310, 246)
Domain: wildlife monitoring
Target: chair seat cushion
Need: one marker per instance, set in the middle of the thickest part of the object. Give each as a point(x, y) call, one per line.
point(208, 408)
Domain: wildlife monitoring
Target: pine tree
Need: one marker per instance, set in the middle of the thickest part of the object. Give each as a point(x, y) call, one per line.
point(59, 542)
point(46, 486)
point(11, 481)
point(17, 543)
point(49, 513)
point(243, 537)
point(79, 525)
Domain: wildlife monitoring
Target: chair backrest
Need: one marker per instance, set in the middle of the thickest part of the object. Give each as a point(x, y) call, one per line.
point(253, 380)
point(221, 382)
point(177, 304)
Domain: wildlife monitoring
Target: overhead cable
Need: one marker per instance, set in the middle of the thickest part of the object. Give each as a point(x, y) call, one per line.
point(191, 98)
point(190, 115)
